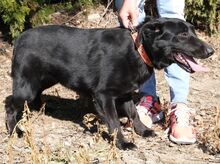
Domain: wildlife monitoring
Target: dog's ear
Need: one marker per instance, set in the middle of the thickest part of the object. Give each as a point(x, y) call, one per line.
point(148, 19)
point(152, 26)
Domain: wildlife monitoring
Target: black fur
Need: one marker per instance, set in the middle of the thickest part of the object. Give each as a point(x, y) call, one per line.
point(103, 63)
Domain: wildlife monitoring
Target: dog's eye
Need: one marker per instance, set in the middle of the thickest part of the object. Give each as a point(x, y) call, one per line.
point(184, 34)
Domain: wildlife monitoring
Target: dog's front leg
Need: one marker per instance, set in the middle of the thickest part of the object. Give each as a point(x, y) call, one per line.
point(129, 109)
point(105, 106)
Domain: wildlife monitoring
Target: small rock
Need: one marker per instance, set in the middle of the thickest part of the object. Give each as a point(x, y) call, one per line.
point(78, 22)
point(93, 17)
point(202, 113)
point(199, 119)
point(171, 144)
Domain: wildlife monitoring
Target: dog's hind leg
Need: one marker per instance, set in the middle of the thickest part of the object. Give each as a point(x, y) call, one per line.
point(105, 106)
point(22, 91)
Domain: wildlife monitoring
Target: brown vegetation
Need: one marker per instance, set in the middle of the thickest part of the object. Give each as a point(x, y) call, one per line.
point(64, 131)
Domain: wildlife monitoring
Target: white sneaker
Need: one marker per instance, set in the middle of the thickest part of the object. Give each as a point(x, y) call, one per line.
point(149, 111)
point(181, 130)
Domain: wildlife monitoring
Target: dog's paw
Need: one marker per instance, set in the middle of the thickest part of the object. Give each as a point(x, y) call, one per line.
point(19, 132)
point(145, 132)
point(148, 133)
point(126, 145)
point(142, 130)
point(10, 126)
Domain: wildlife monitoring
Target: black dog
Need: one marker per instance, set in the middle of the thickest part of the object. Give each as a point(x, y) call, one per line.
point(103, 63)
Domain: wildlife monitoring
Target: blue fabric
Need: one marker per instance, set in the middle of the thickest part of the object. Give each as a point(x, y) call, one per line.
point(171, 8)
point(177, 78)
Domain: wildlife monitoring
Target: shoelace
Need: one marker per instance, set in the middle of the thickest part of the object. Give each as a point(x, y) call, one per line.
point(147, 103)
point(182, 116)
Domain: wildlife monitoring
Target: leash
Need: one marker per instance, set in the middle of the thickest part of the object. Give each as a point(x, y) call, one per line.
point(139, 46)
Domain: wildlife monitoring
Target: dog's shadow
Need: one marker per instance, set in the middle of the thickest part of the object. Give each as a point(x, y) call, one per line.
point(66, 109)
point(71, 110)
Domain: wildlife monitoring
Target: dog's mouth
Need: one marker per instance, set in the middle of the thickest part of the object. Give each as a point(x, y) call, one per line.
point(189, 64)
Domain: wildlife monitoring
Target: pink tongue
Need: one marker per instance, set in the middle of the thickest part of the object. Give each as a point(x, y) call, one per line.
point(197, 68)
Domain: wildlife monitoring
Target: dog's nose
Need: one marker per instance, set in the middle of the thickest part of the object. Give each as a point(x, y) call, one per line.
point(210, 50)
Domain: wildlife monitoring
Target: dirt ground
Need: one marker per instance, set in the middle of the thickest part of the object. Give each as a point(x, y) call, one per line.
point(60, 133)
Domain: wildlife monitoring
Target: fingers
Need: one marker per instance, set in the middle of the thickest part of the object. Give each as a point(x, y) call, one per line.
point(129, 13)
point(134, 19)
point(127, 18)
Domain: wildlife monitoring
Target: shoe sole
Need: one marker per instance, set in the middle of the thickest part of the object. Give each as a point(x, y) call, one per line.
point(144, 118)
point(182, 141)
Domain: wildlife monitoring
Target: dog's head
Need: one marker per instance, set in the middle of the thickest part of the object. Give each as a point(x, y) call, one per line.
point(170, 40)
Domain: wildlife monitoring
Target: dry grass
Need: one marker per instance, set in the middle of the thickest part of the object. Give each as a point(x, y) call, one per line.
point(25, 124)
point(84, 154)
point(210, 138)
point(92, 153)
point(90, 120)
point(211, 135)
point(43, 154)
point(39, 146)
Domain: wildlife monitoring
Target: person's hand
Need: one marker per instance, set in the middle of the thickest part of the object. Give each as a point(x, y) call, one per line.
point(129, 13)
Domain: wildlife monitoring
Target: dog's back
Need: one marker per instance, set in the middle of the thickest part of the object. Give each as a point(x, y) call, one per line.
point(76, 58)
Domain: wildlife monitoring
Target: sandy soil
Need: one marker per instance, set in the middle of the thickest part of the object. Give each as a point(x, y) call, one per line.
point(60, 133)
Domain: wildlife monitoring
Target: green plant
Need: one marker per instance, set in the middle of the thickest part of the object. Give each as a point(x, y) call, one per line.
point(88, 2)
point(205, 14)
point(42, 16)
point(14, 14)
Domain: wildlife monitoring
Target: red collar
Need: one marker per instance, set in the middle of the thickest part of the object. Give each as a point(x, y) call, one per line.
point(141, 49)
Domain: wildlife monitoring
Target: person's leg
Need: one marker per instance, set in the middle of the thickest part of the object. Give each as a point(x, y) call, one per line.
point(148, 89)
point(181, 131)
point(177, 78)
point(171, 8)
point(178, 81)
